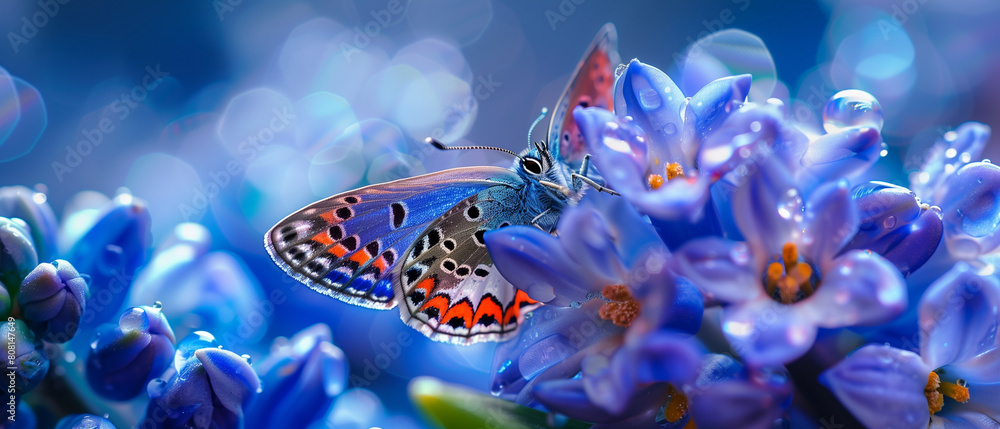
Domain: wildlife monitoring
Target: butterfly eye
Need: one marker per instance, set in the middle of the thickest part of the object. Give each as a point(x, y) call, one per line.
point(532, 166)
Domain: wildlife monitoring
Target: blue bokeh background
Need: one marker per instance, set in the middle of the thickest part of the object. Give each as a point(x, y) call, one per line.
point(333, 109)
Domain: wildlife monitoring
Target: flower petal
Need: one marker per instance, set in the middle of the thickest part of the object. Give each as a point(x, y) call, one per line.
point(770, 209)
point(713, 102)
point(948, 154)
point(722, 269)
point(618, 148)
point(765, 332)
point(537, 263)
point(895, 225)
point(654, 101)
point(831, 219)
point(860, 288)
point(882, 386)
point(845, 154)
point(958, 316)
point(971, 210)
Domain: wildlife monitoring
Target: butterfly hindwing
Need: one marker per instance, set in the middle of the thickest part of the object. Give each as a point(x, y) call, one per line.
point(592, 85)
point(450, 289)
point(347, 246)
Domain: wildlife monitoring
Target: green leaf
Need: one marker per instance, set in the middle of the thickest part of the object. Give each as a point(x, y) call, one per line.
point(457, 407)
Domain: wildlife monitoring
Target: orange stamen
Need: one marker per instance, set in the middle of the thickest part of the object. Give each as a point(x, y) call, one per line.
point(674, 170)
point(936, 390)
point(655, 181)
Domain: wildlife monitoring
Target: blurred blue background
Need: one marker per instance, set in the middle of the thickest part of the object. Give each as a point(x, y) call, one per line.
point(234, 113)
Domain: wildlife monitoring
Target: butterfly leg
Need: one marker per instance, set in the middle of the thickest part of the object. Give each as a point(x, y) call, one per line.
point(540, 215)
point(594, 184)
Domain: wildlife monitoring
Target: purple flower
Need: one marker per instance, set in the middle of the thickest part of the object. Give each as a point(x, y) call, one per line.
point(17, 259)
point(788, 278)
point(127, 355)
point(109, 247)
point(207, 387)
point(33, 208)
point(600, 360)
point(30, 361)
point(302, 378)
point(52, 298)
point(967, 192)
point(954, 380)
point(84, 421)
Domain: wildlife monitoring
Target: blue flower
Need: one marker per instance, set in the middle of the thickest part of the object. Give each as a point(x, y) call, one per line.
point(33, 208)
point(953, 382)
point(302, 375)
point(17, 259)
point(206, 387)
point(202, 290)
point(52, 298)
point(84, 421)
point(109, 250)
point(967, 192)
point(788, 278)
point(127, 355)
point(894, 224)
point(30, 361)
point(597, 359)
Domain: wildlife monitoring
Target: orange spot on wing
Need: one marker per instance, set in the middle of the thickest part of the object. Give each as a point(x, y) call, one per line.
point(338, 250)
point(361, 256)
point(439, 302)
point(327, 216)
point(323, 238)
point(427, 285)
point(514, 310)
point(488, 307)
point(381, 264)
point(462, 310)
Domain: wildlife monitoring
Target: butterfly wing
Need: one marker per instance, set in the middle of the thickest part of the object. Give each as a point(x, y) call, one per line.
point(592, 85)
point(348, 245)
point(451, 290)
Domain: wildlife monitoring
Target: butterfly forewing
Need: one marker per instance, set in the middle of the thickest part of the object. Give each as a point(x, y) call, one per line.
point(347, 246)
point(451, 290)
point(592, 85)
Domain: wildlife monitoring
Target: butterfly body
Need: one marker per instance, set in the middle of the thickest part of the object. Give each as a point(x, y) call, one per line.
point(418, 243)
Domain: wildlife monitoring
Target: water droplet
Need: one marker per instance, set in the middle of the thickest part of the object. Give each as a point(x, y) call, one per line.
point(885, 150)
point(620, 70)
point(649, 99)
point(670, 128)
point(852, 108)
point(755, 126)
point(950, 136)
point(790, 205)
point(966, 157)
point(157, 305)
point(950, 153)
point(962, 382)
point(247, 358)
point(889, 222)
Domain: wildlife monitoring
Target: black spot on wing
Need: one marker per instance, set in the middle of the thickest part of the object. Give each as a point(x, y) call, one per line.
point(336, 232)
point(344, 213)
point(398, 214)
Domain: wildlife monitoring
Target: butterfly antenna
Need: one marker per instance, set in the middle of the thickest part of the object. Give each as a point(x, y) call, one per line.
point(537, 120)
point(441, 146)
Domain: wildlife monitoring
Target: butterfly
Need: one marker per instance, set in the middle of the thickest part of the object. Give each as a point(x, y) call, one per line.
point(419, 242)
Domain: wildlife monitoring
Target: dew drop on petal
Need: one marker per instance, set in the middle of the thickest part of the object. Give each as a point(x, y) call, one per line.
point(852, 108)
point(670, 129)
point(889, 222)
point(649, 99)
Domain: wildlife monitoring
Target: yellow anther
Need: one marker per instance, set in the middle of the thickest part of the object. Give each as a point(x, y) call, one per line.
point(775, 271)
point(674, 170)
point(655, 181)
point(622, 307)
point(790, 254)
point(936, 390)
point(789, 276)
